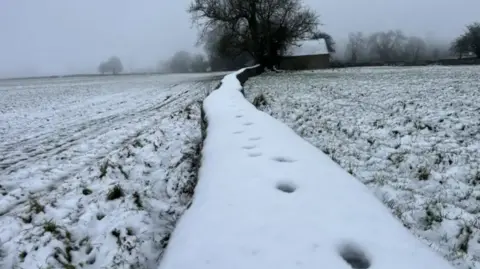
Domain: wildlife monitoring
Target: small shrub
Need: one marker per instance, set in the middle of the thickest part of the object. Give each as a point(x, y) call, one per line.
point(115, 193)
point(100, 216)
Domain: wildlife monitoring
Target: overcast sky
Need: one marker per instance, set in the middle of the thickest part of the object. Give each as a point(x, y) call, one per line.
point(40, 37)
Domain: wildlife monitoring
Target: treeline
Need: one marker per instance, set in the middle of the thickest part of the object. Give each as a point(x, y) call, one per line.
point(185, 62)
point(393, 47)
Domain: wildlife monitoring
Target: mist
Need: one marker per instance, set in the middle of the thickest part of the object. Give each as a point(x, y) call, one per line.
point(67, 37)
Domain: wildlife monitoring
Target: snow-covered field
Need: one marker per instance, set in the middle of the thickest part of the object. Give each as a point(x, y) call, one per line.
point(412, 135)
point(95, 171)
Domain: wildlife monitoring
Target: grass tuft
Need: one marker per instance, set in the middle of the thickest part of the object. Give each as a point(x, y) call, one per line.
point(464, 238)
point(115, 193)
point(103, 169)
point(423, 173)
point(120, 167)
point(36, 207)
point(22, 256)
point(476, 179)
point(137, 200)
point(260, 101)
point(137, 143)
point(50, 226)
point(116, 233)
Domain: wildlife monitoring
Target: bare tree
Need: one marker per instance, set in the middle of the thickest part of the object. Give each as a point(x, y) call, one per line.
point(468, 41)
point(386, 46)
point(356, 47)
point(263, 29)
point(460, 46)
point(415, 49)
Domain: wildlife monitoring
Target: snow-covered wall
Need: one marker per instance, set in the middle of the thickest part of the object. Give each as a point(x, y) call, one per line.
point(268, 199)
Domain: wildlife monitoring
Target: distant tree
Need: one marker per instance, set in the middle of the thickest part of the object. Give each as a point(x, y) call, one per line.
point(415, 49)
point(180, 62)
point(112, 65)
point(386, 46)
point(102, 68)
point(468, 41)
point(263, 29)
point(356, 47)
point(199, 63)
point(435, 54)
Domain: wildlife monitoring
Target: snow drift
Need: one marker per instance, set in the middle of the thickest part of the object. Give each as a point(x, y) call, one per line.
point(266, 198)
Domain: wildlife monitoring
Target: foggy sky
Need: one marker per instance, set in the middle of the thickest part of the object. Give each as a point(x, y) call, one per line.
point(41, 37)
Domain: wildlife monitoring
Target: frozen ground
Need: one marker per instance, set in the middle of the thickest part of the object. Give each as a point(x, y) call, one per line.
point(94, 171)
point(412, 135)
point(266, 198)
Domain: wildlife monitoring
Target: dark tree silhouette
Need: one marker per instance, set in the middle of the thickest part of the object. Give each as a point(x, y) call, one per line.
point(468, 41)
point(262, 28)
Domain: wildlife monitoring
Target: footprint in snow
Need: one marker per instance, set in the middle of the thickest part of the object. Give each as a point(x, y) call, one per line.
point(248, 123)
point(286, 186)
point(237, 132)
point(282, 159)
point(255, 138)
point(255, 154)
point(239, 116)
point(354, 256)
point(249, 147)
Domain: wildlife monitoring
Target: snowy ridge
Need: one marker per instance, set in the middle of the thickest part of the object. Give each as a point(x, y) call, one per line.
point(266, 198)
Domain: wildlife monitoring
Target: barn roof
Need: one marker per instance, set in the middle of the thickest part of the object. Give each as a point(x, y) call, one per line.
point(308, 47)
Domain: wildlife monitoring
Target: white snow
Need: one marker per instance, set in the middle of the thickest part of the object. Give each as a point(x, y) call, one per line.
point(308, 47)
point(411, 135)
point(266, 198)
point(66, 143)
